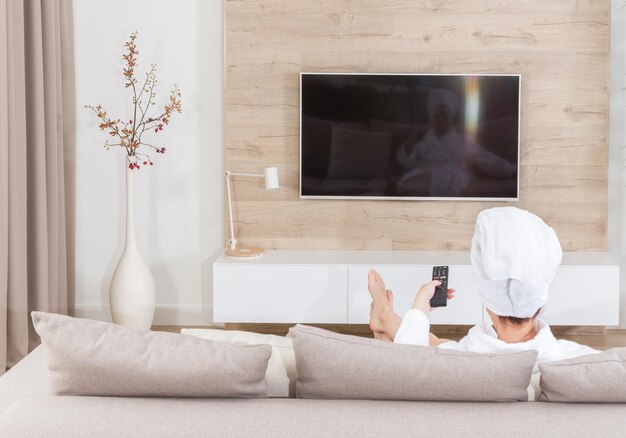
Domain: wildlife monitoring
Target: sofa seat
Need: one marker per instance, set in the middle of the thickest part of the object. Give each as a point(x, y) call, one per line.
point(29, 377)
point(50, 416)
point(28, 409)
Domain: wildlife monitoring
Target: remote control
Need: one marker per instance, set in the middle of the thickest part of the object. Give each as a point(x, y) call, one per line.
point(440, 299)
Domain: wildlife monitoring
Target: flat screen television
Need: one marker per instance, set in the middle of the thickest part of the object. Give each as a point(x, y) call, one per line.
point(409, 136)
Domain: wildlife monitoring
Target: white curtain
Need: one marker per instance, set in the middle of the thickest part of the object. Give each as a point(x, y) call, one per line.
point(37, 131)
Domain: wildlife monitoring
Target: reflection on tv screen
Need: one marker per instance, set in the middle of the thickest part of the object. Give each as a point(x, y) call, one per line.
point(409, 136)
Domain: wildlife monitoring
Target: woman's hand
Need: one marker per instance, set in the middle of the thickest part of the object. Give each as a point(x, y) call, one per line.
point(426, 292)
point(410, 142)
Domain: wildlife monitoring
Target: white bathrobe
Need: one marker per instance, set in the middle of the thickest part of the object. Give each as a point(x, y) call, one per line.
point(447, 159)
point(482, 338)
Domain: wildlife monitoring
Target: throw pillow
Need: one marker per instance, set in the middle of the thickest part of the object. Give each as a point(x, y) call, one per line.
point(599, 377)
point(281, 368)
point(332, 365)
point(88, 357)
point(358, 154)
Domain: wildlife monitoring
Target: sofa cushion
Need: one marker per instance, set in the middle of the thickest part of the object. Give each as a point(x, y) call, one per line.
point(358, 154)
point(599, 377)
point(99, 358)
point(29, 377)
point(281, 368)
point(332, 365)
point(316, 140)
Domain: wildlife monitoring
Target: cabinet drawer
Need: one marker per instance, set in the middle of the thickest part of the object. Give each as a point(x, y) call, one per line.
point(584, 295)
point(279, 294)
point(404, 281)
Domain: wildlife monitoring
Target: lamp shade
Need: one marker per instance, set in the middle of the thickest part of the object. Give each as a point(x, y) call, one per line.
point(271, 178)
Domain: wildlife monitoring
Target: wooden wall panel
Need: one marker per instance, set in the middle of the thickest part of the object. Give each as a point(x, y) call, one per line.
point(560, 48)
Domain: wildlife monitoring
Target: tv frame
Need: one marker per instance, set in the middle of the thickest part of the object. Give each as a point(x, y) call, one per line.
point(411, 198)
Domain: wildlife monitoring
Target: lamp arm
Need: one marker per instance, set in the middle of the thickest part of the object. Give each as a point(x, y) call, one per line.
point(255, 175)
point(232, 241)
point(270, 176)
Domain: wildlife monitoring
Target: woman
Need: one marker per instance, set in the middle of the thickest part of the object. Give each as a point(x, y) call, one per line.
point(447, 154)
point(514, 258)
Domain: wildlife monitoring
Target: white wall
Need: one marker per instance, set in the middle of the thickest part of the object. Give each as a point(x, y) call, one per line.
point(179, 200)
point(617, 146)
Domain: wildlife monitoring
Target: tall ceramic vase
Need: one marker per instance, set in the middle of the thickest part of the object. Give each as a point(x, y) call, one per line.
point(132, 294)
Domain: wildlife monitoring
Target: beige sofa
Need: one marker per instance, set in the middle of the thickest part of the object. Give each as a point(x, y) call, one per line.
point(28, 409)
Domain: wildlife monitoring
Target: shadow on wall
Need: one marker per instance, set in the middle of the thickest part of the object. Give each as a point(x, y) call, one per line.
point(617, 143)
point(209, 165)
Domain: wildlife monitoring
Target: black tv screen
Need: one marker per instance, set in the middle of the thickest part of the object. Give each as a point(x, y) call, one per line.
point(409, 136)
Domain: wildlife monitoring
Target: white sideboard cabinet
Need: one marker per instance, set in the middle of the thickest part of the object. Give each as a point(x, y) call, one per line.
point(291, 286)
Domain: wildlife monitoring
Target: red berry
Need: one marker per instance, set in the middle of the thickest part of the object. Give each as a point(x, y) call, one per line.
point(151, 163)
point(130, 166)
point(145, 162)
point(156, 129)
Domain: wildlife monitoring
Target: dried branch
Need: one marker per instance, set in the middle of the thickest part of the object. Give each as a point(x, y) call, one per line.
point(129, 134)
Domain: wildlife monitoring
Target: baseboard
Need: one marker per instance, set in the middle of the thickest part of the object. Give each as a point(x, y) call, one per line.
point(182, 316)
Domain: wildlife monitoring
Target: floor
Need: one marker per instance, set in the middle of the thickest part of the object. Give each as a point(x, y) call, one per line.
point(595, 337)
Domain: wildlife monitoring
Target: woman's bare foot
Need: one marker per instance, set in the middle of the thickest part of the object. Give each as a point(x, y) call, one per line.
point(376, 326)
point(377, 289)
point(382, 303)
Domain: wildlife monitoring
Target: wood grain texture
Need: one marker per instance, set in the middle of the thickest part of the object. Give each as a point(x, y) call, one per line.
point(559, 47)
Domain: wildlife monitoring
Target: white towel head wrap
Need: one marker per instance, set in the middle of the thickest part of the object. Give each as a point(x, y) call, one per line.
point(514, 258)
point(438, 97)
